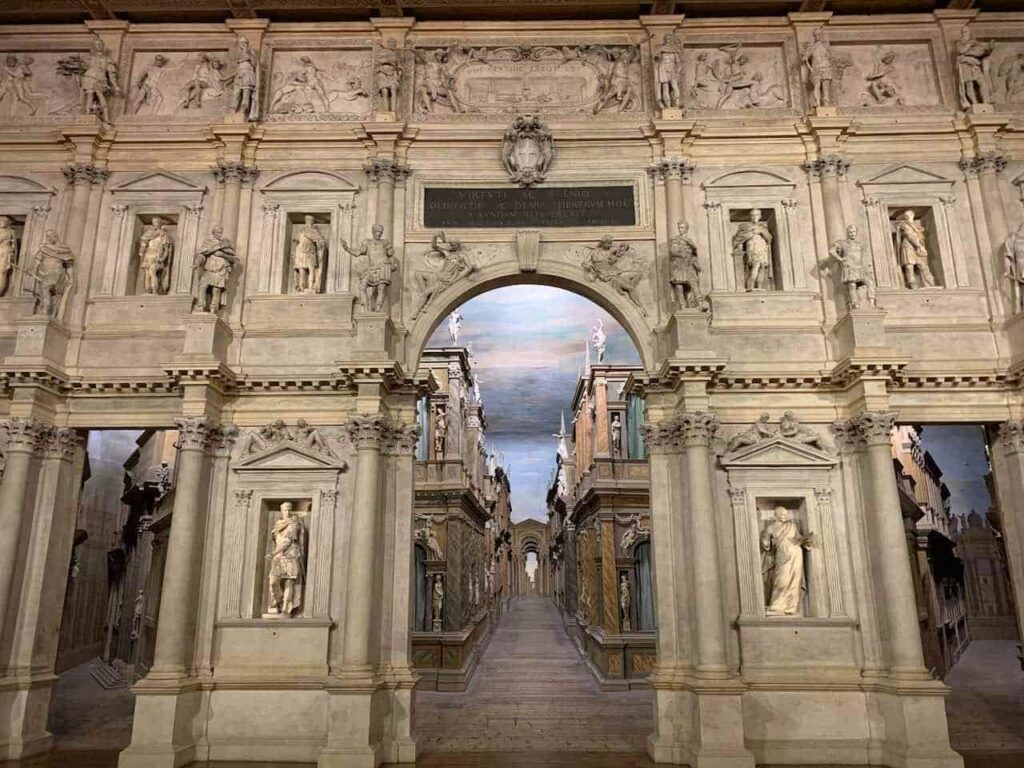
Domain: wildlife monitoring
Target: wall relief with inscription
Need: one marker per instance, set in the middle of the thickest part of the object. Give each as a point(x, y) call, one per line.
point(453, 79)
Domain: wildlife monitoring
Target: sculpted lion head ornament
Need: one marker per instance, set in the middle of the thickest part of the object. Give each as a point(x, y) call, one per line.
point(527, 151)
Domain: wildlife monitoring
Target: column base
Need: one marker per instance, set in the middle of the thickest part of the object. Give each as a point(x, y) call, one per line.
point(912, 718)
point(25, 703)
point(163, 732)
point(368, 723)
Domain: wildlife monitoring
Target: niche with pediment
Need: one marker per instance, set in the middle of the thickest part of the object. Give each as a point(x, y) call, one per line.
point(929, 198)
point(321, 201)
point(276, 466)
point(27, 205)
point(731, 201)
point(158, 200)
point(795, 474)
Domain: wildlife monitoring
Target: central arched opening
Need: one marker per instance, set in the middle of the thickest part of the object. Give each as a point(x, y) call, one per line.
point(531, 524)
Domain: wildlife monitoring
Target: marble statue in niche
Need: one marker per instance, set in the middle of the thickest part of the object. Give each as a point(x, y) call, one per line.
point(617, 264)
point(600, 340)
point(303, 89)
point(856, 275)
point(821, 69)
point(287, 563)
point(437, 603)
point(881, 84)
point(527, 151)
point(156, 250)
point(620, 81)
point(616, 428)
point(147, 85)
point(8, 253)
point(972, 69)
point(98, 81)
point(625, 601)
point(446, 262)
point(1013, 255)
point(387, 76)
point(782, 563)
point(15, 81)
point(53, 273)
point(440, 431)
point(668, 64)
point(454, 326)
point(753, 243)
point(309, 256)
point(206, 83)
point(684, 270)
point(375, 276)
point(434, 86)
point(912, 251)
point(211, 269)
point(245, 81)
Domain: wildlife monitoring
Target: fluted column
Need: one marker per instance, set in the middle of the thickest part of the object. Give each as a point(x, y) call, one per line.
point(872, 430)
point(829, 169)
point(384, 172)
point(366, 433)
point(82, 177)
point(23, 436)
point(696, 430)
point(232, 175)
point(179, 594)
point(674, 172)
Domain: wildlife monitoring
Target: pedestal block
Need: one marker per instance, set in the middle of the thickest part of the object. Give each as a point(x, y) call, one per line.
point(374, 333)
point(689, 333)
point(206, 336)
point(860, 332)
point(41, 342)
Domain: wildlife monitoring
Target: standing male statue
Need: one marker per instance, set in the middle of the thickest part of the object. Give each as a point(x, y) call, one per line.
point(245, 99)
point(912, 251)
point(821, 69)
point(1013, 253)
point(753, 243)
point(782, 545)
point(668, 60)
point(155, 252)
point(375, 279)
point(53, 271)
point(210, 271)
point(8, 252)
point(625, 600)
point(855, 275)
point(437, 604)
point(287, 569)
point(98, 80)
point(971, 69)
point(684, 269)
point(308, 258)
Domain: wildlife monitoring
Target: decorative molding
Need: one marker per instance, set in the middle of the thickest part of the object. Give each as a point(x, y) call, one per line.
point(193, 433)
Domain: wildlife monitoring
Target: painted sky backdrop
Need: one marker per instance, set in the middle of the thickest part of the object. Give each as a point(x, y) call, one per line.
point(529, 342)
point(959, 450)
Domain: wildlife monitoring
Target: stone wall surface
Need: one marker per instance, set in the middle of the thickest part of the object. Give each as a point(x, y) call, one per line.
point(852, 187)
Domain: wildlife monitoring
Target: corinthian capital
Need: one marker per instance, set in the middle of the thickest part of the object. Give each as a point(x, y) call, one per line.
point(1011, 436)
point(828, 165)
point(661, 436)
point(985, 162)
point(868, 428)
point(193, 433)
point(60, 442)
point(230, 170)
point(23, 434)
point(367, 431)
point(673, 168)
point(84, 174)
point(400, 439)
point(386, 169)
point(697, 428)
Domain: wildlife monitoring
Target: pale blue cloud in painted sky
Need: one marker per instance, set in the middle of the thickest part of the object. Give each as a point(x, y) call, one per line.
point(529, 342)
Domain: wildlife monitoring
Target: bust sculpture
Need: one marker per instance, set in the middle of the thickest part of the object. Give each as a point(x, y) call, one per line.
point(753, 244)
point(971, 69)
point(155, 252)
point(782, 564)
point(855, 275)
point(684, 269)
point(287, 567)
point(1013, 253)
point(53, 272)
point(912, 251)
point(8, 253)
point(309, 257)
point(375, 278)
point(211, 269)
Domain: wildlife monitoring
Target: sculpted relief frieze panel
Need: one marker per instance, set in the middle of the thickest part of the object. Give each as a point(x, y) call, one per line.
point(41, 85)
point(453, 80)
point(737, 75)
point(898, 74)
point(318, 83)
point(184, 84)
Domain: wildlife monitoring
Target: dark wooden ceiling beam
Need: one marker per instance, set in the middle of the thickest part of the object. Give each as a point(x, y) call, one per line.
point(98, 10)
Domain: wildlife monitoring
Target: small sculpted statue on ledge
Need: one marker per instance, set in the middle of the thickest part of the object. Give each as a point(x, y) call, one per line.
point(210, 272)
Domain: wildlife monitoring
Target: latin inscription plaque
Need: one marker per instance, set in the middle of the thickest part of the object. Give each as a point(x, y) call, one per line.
point(515, 207)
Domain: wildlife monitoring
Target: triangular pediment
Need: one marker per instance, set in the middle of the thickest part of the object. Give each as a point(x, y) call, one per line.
point(778, 452)
point(290, 456)
point(905, 173)
point(158, 181)
point(310, 181)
